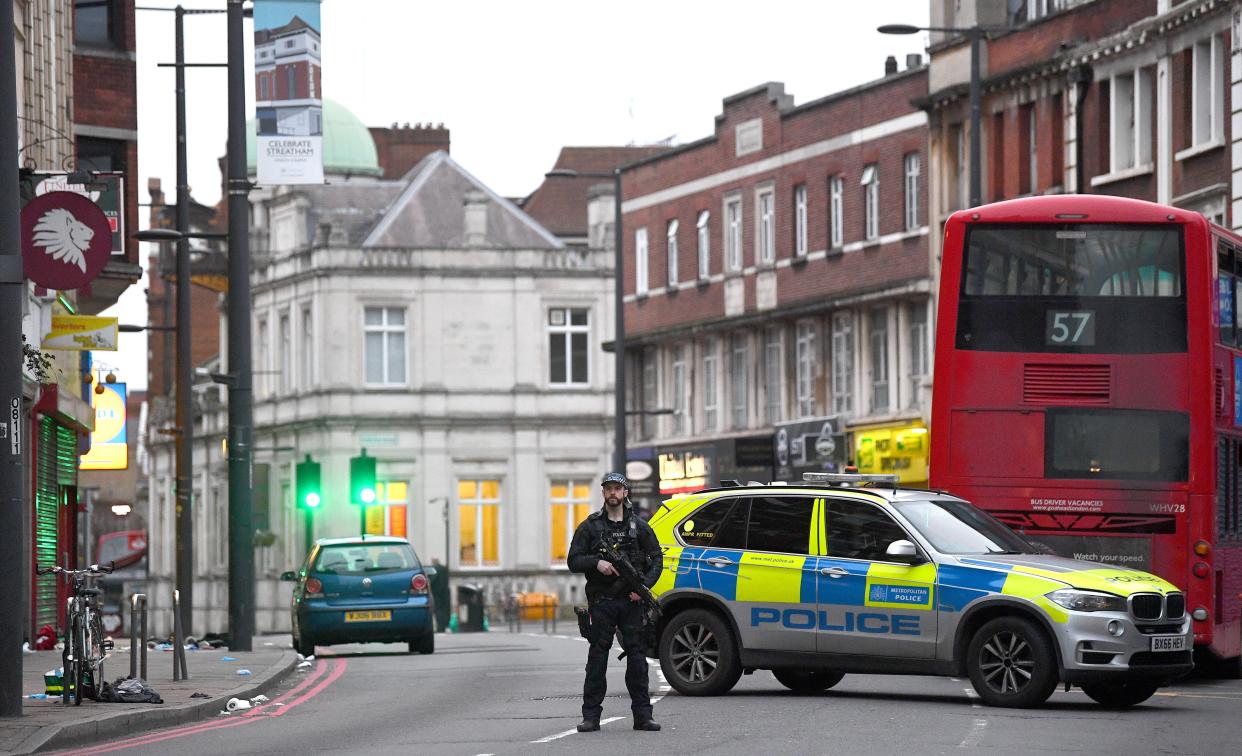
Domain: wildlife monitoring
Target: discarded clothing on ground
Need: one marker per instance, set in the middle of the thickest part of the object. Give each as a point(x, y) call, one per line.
point(129, 690)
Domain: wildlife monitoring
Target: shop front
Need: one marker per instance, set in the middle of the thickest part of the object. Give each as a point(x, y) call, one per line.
point(693, 467)
point(814, 445)
point(895, 448)
point(641, 469)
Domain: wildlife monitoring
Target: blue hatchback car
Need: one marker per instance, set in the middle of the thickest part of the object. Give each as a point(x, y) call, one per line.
point(362, 590)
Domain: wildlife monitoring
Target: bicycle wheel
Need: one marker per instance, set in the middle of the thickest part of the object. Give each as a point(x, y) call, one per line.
point(75, 648)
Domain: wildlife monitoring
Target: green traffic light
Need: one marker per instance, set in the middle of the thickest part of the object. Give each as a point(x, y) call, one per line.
point(362, 479)
point(308, 477)
point(312, 499)
point(367, 495)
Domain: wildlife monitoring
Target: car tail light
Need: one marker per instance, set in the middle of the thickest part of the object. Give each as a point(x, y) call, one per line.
point(313, 587)
point(418, 583)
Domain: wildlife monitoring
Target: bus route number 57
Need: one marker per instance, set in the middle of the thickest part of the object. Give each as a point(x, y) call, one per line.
point(1070, 328)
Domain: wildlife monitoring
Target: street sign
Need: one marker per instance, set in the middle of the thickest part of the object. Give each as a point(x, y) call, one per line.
point(81, 333)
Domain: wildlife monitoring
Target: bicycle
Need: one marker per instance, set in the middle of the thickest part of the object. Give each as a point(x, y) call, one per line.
point(86, 647)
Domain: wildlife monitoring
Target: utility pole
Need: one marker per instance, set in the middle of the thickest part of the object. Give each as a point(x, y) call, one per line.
point(619, 442)
point(14, 568)
point(185, 415)
point(241, 410)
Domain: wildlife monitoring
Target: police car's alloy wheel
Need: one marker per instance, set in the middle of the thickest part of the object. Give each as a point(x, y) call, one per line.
point(1011, 663)
point(1120, 694)
point(698, 654)
point(800, 681)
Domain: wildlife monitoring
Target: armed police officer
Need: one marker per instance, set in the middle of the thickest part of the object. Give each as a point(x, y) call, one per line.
point(611, 603)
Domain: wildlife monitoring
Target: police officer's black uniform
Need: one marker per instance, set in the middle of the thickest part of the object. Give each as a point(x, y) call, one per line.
point(611, 607)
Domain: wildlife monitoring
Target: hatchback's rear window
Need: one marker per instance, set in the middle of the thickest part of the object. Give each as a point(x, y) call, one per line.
point(360, 559)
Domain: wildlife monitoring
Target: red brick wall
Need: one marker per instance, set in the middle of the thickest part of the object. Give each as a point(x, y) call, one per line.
point(870, 268)
point(400, 148)
point(1043, 39)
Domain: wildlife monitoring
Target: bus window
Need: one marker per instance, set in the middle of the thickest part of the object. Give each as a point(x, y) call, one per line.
point(1077, 288)
point(1225, 292)
point(1116, 444)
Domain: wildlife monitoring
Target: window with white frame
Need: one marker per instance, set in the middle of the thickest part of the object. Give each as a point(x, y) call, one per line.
point(733, 233)
point(478, 523)
point(640, 261)
point(569, 336)
point(843, 363)
point(1129, 118)
point(711, 371)
point(765, 227)
point(705, 247)
point(651, 379)
point(286, 353)
point(678, 388)
point(804, 349)
point(919, 362)
point(800, 219)
point(877, 332)
point(773, 404)
point(1032, 149)
point(871, 201)
point(912, 190)
point(571, 503)
point(670, 236)
point(1207, 119)
point(836, 212)
point(264, 351)
point(739, 370)
point(384, 328)
point(308, 349)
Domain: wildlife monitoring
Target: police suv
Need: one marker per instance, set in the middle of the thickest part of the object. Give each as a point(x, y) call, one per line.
point(842, 574)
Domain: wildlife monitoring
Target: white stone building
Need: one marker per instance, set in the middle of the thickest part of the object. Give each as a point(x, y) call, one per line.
point(433, 323)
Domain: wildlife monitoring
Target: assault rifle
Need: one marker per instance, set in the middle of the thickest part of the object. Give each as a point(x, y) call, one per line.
point(633, 580)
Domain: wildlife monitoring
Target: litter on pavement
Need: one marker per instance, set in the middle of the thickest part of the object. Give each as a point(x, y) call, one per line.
point(237, 704)
point(243, 671)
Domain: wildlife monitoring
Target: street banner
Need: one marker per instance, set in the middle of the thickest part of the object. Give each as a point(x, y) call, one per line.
point(105, 188)
point(109, 443)
point(81, 333)
point(288, 96)
point(66, 240)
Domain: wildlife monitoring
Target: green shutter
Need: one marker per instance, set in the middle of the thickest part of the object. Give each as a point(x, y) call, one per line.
point(45, 527)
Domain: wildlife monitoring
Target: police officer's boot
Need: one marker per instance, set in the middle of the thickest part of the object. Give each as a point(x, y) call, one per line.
point(650, 725)
point(591, 725)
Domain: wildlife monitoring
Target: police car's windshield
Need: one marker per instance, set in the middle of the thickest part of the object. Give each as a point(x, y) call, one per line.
point(955, 527)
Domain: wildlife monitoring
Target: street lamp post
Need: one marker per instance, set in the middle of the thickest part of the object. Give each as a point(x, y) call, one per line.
point(975, 34)
point(184, 422)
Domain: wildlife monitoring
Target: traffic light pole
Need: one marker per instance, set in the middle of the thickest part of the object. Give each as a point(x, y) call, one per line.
point(184, 517)
point(14, 564)
point(309, 539)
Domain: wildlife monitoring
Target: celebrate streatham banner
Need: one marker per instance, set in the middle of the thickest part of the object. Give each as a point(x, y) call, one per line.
point(288, 95)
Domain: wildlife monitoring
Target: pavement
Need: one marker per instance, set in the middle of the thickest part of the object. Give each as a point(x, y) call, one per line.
point(47, 724)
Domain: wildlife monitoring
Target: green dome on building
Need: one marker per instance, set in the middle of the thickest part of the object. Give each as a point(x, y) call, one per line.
point(347, 144)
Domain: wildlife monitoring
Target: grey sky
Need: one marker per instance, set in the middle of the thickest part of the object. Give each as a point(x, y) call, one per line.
point(515, 82)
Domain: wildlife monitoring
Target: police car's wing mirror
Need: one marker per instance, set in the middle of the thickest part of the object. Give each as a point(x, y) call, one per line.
point(904, 551)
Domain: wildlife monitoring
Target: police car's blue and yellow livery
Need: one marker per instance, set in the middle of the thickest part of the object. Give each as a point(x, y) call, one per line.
point(834, 576)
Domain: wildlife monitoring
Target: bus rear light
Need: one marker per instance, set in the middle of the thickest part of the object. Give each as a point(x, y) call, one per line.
point(418, 583)
point(1200, 614)
point(313, 587)
point(1201, 570)
point(1203, 548)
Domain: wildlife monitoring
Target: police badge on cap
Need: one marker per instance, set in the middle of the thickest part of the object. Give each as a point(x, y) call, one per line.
point(615, 477)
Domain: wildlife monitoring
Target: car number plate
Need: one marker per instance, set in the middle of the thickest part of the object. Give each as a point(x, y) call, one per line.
point(373, 616)
point(1168, 643)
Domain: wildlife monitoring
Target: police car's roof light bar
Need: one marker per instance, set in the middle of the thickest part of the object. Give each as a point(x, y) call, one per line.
point(842, 478)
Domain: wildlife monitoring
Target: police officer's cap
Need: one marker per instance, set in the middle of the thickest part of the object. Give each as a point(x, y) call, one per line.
point(615, 477)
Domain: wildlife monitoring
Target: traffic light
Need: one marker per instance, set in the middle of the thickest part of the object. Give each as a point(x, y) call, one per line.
point(362, 479)
point(309, 495)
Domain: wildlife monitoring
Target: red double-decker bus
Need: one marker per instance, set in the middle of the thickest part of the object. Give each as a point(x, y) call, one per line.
point(1088, 389)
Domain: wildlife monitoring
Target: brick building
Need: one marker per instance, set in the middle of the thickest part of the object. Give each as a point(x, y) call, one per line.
point(777, 289)
point(1123, 97)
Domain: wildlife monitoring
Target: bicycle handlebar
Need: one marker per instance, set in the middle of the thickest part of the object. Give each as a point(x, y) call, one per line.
point(93, 570)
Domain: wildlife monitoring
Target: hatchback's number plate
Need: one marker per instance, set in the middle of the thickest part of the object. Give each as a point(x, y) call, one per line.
point(1168, 643)
point(375, 616)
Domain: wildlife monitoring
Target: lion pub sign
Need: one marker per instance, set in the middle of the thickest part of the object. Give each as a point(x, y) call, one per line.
point(66, 240)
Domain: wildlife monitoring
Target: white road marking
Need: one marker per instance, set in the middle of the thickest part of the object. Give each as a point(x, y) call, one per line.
point(976, 734)
point(574, 731)
point(974, 698)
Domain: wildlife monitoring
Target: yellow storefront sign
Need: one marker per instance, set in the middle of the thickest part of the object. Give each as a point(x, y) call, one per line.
point(109, 443)
point(81, 333)
point(894, 449)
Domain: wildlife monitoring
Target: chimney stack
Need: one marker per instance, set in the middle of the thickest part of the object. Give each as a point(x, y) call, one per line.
point(601, 214)
point(913, 60)
point(890, 65)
